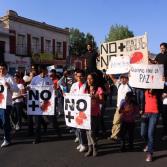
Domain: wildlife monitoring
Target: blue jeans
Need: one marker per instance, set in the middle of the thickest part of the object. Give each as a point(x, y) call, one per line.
point(5, 118)
point(148, 126)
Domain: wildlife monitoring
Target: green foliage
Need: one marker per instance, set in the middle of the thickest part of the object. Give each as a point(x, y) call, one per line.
point(78, 42)
point(118, 32)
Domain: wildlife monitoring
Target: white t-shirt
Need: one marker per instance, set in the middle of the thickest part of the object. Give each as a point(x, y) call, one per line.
point(76, 89)
point(122, 90)
point(17, 94)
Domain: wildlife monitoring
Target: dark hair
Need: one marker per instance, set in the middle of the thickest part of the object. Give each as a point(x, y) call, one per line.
point(131, 98)
point(95, 83)
point(41, 68)
point(90, 43)
point(164, 44)
point(17, 76)
point(53, 71)
point(3, 64)
point(81, 72)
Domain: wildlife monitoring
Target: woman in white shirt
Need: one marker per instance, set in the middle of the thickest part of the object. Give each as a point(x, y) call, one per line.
point(18, 98)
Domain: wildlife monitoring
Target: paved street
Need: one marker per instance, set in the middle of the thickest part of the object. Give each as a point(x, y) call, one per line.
point(56, 152)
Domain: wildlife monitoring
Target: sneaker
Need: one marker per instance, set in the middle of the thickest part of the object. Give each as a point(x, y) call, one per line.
point(36, 141)
point(78, 147)
point(148, 157)
point(5, 143)
point(17, 127)
point(82, 148)
point(76, 140)
point(164, 138)
point(145, 149)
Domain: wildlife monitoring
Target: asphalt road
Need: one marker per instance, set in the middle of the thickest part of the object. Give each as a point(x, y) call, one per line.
point(61, 152)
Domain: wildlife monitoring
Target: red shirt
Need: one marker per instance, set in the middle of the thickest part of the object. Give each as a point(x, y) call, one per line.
point(151, 102)
point(95, 105)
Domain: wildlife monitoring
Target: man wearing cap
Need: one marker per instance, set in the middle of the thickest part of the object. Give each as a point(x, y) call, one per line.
point(122, 88)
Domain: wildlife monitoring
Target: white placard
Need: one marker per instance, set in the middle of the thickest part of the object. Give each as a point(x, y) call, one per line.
point(41, 100)
point(119, 65)
point(146, 76)
point(77, 110)
point(136, 48)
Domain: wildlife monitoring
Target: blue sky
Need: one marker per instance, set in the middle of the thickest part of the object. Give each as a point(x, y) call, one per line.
point(97, 16)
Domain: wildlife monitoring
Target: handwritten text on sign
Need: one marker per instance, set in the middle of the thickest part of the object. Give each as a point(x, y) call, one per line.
point(77, 110)
point(41, 100)
point(146, 76)
point(135, 48)
point(119, 65)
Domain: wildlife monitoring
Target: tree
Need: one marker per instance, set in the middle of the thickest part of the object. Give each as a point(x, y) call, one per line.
point(78, 42)
point(118, 32)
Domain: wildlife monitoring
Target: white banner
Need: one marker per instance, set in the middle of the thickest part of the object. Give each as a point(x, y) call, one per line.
point(3, 96)
point(146, 76)
point(41, 100)
point(119, 65)
point(135, 48)
point(77, 109)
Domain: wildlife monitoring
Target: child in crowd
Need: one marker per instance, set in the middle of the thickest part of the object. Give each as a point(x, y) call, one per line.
point(128, 110)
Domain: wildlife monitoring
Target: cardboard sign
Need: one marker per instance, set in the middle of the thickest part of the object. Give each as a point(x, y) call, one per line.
point(119, 65)
point(3, 96)
point(77, 110)
point(135, 48)
point(146, 76)
point(41, 100)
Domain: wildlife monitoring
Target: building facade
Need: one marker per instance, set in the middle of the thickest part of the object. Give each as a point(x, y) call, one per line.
point(32, 42)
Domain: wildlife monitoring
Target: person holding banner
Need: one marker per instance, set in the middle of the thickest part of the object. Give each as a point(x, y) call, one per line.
point(40, 80)
point(6, 82)
point(122, 88)
point(97, 98)
point(161, 58)
point(149, 120)
point(79, 87)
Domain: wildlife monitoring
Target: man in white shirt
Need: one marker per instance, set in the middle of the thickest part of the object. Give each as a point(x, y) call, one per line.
point(79, 88)
point(123, 87)
point(40, 80)
point(7, 81)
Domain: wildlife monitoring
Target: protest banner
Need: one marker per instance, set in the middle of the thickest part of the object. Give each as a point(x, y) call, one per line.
point(146, 76)
point(118, 65)
point(41, 100)
point(3, 96)
point(77, 110)
point(135, 48)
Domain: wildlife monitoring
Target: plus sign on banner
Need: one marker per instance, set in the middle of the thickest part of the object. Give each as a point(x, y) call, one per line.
point(41, 100)
point(77, 110)
point(135, 48)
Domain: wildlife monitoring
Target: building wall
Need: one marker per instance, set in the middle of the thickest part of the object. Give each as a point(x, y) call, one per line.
point(24, 29)
point(5, 38)
point(19, 27)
